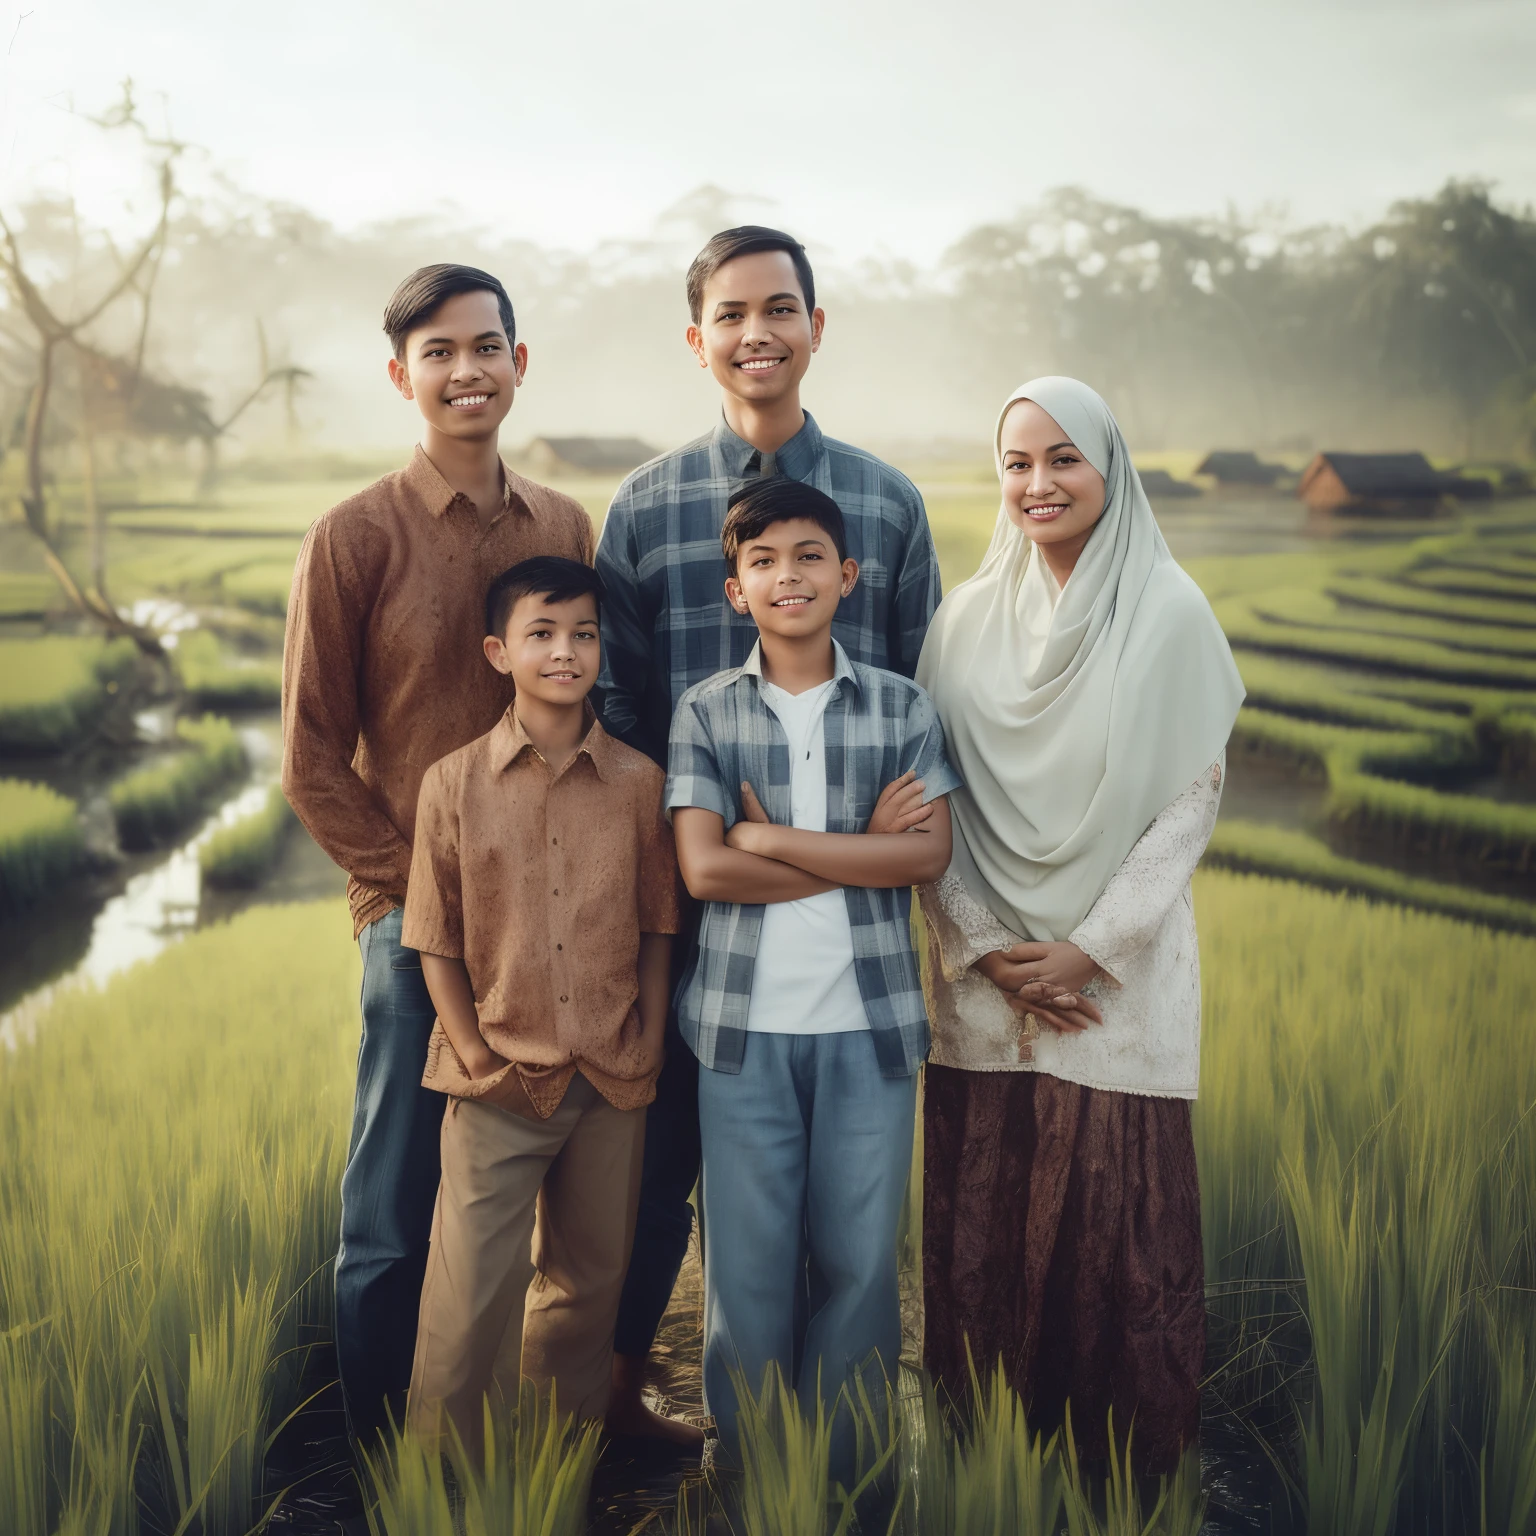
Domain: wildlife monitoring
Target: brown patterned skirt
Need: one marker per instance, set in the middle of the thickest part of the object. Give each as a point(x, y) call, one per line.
point(1061, 1233)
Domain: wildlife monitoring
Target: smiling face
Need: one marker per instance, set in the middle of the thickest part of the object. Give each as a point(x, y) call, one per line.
point(459, 367)
point(789, 579)
point(1050, 490)
point(755, 333)
point(550, 650)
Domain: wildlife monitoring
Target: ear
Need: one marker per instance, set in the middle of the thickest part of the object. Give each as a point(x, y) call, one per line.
point(400, 378)
point(818, 320)
point(696, 341)
point(496, 653)
point(519, 365)
point(850, 575)
point(735, 595)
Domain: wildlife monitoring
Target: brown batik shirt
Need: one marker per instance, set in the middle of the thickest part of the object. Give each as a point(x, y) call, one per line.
point(383, 670)
point(542, 883)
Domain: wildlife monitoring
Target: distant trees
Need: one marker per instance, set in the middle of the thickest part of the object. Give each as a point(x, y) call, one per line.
point(1278, 332)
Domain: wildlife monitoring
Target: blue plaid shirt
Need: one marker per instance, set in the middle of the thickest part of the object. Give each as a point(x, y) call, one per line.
point(877, 725)
point(666, 623)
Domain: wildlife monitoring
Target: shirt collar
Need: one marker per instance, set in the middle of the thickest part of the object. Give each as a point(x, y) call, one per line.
point(842, 668)
point(424, 478)
point(797, 458)
point(511, 741)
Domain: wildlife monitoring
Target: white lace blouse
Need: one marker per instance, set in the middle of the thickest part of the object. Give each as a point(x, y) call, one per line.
point(1140, 933)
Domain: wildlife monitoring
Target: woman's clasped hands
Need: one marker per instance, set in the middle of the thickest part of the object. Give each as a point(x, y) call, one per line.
point(1045, 981)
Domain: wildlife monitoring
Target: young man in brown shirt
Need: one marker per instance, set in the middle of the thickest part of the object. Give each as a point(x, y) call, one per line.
point(382, 675)
point(542, 899)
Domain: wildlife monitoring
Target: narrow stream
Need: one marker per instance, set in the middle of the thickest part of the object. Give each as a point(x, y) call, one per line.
point(152, 900)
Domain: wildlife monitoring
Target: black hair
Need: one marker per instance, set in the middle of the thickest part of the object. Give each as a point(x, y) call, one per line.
point(547, 576)
point(746, 240)
point(759, 504)
point(420, 294)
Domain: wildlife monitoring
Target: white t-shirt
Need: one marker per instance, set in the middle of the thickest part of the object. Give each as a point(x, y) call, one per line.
point(804, 981)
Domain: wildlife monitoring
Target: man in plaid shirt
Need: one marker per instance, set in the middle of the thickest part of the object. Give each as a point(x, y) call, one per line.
point(667, 626)
point(803, 1001)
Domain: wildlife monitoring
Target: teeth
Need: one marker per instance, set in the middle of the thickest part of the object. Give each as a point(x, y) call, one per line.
point(464, 401)
point(760, 365)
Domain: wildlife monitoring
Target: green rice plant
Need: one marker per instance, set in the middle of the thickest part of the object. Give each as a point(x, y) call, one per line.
point(1320, 693)
point(27, 596)
point(153, 804)
point(1463, 832)
point(1473, 581)
point(1319, 611)
point(1248, 629)
point(1258, 848)
point(41, 843)
point(1395, 597)
point(149, 1263)
point(55, 689)
point(240, 854)
point(533, 1478)
point(262, 587)
point(213, 680)
point(1323, 751)
point(1116, 1507)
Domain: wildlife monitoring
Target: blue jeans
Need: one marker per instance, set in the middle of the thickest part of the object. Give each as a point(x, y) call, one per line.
point(389, 1187)
point(806, 1156)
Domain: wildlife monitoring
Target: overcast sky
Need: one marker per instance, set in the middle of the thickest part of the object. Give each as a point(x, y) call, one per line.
point(871, 126)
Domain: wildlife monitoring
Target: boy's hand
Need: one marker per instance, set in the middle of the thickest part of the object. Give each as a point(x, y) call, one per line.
point(482, 1063)
point(900, 807)
point(751, 806)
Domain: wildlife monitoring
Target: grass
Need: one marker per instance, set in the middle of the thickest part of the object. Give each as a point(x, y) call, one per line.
point(41, 843)
point(54, 690)
point(239, 855)
point(1319, 611)
point(1368, 1153)
point(212, 679)
point(263, 587)
point(163, 1275)
point(1257, 848)
point(152, 804)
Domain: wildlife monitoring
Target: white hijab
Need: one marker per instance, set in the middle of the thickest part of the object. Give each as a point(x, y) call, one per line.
point(1069, 748)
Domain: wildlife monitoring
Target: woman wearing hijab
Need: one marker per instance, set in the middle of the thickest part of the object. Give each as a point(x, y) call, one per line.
point(1087, 693)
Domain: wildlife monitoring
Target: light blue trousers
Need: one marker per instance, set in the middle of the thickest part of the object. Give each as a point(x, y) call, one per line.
point(806, 1156)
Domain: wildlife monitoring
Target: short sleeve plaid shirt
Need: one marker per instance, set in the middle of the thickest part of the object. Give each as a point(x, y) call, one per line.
point(877, 725)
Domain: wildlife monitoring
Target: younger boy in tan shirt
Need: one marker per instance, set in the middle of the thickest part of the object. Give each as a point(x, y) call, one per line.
point(542, 897)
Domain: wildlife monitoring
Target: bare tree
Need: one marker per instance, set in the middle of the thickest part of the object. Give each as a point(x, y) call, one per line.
point(54, 334)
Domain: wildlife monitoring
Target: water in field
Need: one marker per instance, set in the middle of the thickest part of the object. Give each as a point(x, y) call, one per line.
point(141, 903)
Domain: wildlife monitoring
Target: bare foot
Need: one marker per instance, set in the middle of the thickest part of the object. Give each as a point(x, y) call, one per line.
point(630, 1416)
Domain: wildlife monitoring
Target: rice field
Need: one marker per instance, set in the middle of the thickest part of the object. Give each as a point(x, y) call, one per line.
point(211, 678)
point(1368, 1156)
point(154, 803)
point(239, 855)
point(41, 843)
point(54, 689)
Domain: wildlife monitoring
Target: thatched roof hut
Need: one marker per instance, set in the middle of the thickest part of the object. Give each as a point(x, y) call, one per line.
point(1372, 484)
point(1230, 467)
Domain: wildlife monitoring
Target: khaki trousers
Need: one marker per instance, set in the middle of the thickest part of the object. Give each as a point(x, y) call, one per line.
point(530, 1241)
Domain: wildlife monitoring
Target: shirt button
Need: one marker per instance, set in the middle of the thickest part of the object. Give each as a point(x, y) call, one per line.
point(564, 998)
point(559, 946)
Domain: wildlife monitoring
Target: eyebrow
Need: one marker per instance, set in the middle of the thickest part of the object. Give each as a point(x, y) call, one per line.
point(773, 298)
point(799, 544)
point(1051, 449)
point(438, 341)
point(592, 620)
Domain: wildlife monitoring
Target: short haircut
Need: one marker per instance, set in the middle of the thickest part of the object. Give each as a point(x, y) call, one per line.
point(424, 291)
point(552, 577)
point(758, 505)
point(746, 240)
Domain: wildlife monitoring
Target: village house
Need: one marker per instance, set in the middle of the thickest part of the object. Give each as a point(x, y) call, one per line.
point(1372, 485)
point(557, 456)
point(1231, 469)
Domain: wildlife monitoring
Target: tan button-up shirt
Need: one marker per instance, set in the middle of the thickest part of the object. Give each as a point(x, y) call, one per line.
point(383, 671)
point(542, 883)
